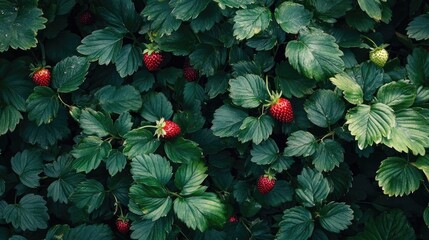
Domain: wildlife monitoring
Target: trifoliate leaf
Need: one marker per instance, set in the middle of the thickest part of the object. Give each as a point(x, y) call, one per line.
point(335, 217)
point(139, 141)
point(324, 108)
point(95, 123)
point(200, 211)
point(182, 150)
point(115, 162)
point(296, 224)
point(351, 89)
point(248, 91)
point(256, 129)
point(42, 105)
point(397, 95)
point(300, 143)
point(19, 23)
point(419, 27)
point(69, 74)
point(368, 76)
point(102, 45)
point(265, 153)
point(30, 213)
point(151, 170)
point(251, 21)
point(329, 155)
point(315, 55)
point(227, 121)
point(398, 177)
point(89, 153)
point(189, 178)
point(159, 13)
point(28, 165)
point(152, 202)
point(119, 99)
point(312, 188)
point(292, 17)
point(370, 123)
point(88, 195)
point(128, 60)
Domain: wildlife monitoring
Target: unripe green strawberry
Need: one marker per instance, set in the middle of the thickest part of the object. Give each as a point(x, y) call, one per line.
point(266, 184)
point(42, 77)
point(379, 56)
point(167, 129)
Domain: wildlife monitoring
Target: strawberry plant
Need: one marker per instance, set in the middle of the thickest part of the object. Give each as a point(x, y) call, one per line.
point(214, 119)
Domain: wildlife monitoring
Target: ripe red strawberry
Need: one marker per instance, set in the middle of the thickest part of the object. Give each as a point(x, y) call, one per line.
point(153, 60)
point(42, 77)
point(266, 184)
point(233, 219)
point(123, 225)
point(167, 129)
point(189, 73)
point(86, 18)
point(281, 109)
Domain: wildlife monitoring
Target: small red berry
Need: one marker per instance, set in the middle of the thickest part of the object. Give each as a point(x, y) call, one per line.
point(42, 77)
point(86, 18)
point(167, 129)
point(265, 184)
point(233, 219)
point(282, 110)
point(190, 74)
point(153, 60)
point(123, 225)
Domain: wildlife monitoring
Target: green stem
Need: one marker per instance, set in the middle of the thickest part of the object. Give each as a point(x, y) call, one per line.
point(62, 101)
point(42, 50)
point(331, 133)
point(369, 39)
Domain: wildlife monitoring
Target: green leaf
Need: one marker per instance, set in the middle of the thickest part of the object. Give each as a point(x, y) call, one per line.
point(422, 163)
point(123, 124)
point(143, 80)
point(119, 99)
point(151, 170)
point(292, 17)
point(410, 133)
point(153, 203)
point(281, 193)
point(335, 217)
point(351, 89)
point(315, 55)
point(419, 27)
point(396, 176)
point(159, 13)
point(155, 107)
point(69, 74)
point(30, 213)
point(19, 23)
point(248, 91)
point(265, 153)
point(66, 179)
point(327, 9)
point(418, 66)
point(397, 95)
point(9, 118)
point(251, 21)
point(28, 165)
point(139, 141)
point(94, 231)
point(89, 153)
point(102, 45)
point(42, 105)
point(324, 108)
point(296, 224)
point(312, 188)
point(426, 216)
point(62, 46)
point(267, 39)
point(207, 18)
point(329, 155)
point(389, 225)
point(193, 92)
point(96, 123)
point(200, 212)
point(256, 129)
point(291, 82)
point(182, 150)
point(181, 42)
point(227, 121)
point(217, 84)
point(208, 58)
point(151, 230)
point(120, 14)
point(188, 9)
point(370, 123)
point(89, 195)
point(189, 178)
point(115, 162)
point(129, 60)
point(234, 3)
point(369, 77)
point(300, 143)
point(372, 7)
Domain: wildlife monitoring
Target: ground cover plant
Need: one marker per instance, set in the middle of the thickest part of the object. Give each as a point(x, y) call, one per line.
point(214, 119)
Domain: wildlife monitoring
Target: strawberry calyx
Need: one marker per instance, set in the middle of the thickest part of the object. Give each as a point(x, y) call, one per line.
point(36, 68)
point(160, 125)
point(151, 48)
